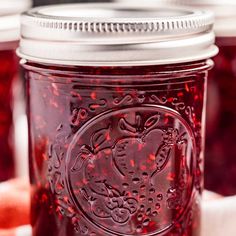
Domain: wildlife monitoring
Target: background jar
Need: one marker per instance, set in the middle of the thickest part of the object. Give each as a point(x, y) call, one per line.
point(220, 162)
point(221, 119)
point(116, 110)
point(9, 36)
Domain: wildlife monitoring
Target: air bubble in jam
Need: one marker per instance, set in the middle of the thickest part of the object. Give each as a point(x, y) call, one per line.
point(157, 206)
point(140, 217)
point(148, 211)
point(152, 190)
point(108, 166)
point(150, 200)
point(135, 180)
point(154, 213)
point(146, 222)
point(159, 197)
point(142, 197)
point(139, 229)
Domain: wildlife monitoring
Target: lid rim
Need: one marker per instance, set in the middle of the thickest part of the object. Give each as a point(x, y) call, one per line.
point(123, 41)
point(212, 52)
point(196, 19)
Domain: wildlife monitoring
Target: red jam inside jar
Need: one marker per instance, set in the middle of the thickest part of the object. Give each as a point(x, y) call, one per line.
point(221, 120)
point(8, 70)
point(220, 162)
point(116, 145)
point(220, 152)
point(9, 37)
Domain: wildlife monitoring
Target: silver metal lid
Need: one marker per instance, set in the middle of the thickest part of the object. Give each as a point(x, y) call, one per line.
point(115, 34)
point(224, 10)
point(10, 20)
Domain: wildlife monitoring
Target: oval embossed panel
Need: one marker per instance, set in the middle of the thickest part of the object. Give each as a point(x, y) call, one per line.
point(129, 171)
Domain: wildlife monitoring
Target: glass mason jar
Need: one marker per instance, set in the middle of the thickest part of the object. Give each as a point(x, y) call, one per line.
point(221, 119)
point(9, 35)
point(220, 162)
point(116, 111)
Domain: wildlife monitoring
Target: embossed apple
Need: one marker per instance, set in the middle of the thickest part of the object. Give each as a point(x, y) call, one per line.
point(139, 156)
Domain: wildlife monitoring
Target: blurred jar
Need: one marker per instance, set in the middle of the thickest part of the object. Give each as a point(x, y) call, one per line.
point(9, 36)
point(220, 167)
point(221, 119)
point(220, 161)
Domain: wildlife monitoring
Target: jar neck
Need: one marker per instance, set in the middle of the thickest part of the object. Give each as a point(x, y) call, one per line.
point(141, 76)
point(120, 70)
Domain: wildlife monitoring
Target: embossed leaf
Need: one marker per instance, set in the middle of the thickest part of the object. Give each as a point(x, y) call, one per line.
point(83, 155)
point(112, 191)
point(162, 156)
point(120, 157)
point(152, 121)
point(56, 159)
point(120, 215)
point(126, 126)
point(100, 210)
point(56, 154)
point(55, 183)
point(99, 188)
point(99, 137)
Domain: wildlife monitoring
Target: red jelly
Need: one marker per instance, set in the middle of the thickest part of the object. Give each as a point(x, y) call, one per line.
point(117, 128)
point(221, 120)
point(8, 69)
point(9, 35)
point(220, 158)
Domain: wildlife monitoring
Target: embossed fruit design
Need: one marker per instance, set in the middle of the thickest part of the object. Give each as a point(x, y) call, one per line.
point(134, 156)
point(105, 200)
point(120, 171)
